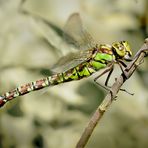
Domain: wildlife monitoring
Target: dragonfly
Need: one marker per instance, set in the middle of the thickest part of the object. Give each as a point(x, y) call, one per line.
point(80, 64)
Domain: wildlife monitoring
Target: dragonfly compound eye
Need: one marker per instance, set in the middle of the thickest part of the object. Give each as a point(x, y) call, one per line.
point(127, 47)
point(118, 48)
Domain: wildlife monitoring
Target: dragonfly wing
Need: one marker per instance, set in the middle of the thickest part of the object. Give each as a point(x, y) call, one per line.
point(71, 60)
point(76, 35)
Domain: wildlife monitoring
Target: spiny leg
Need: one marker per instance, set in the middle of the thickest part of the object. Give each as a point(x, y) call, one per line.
point(108, 76)
point(110, 70)
point(121, 65)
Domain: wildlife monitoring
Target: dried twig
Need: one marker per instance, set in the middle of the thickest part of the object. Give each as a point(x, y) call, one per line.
point(138, 59)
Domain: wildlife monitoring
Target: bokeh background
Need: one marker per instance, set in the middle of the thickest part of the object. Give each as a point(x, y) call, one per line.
point(30, 44)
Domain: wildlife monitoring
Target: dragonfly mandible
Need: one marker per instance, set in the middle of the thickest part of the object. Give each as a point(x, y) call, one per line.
point(81, 64)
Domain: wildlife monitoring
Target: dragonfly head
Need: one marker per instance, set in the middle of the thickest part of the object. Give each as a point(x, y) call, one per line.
point(122, 50)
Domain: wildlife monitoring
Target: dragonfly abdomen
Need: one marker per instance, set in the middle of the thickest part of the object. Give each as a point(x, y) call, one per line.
point(29, 87)
point(78, 72)
point(83, 70)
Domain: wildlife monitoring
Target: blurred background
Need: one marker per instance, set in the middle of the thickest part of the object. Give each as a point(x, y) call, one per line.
point(30, 43)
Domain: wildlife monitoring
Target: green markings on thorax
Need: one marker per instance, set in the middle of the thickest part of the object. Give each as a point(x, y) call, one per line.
point(101, 60)
point(103, 57)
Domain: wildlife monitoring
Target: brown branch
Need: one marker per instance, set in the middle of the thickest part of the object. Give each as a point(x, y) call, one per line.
point(132, 66)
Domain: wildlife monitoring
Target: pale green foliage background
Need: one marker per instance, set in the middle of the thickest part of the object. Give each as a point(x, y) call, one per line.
point(56, 117)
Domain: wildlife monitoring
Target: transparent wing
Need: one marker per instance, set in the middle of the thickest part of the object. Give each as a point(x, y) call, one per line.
point(76, 35)
point(71, 60)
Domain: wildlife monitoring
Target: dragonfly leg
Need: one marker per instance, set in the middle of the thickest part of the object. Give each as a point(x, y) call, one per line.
point(110, 70)
point(108, 77)
point(127, 91)
point(122, 64)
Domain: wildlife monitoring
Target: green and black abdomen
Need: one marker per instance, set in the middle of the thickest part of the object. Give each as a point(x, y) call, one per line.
point(83, 70)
